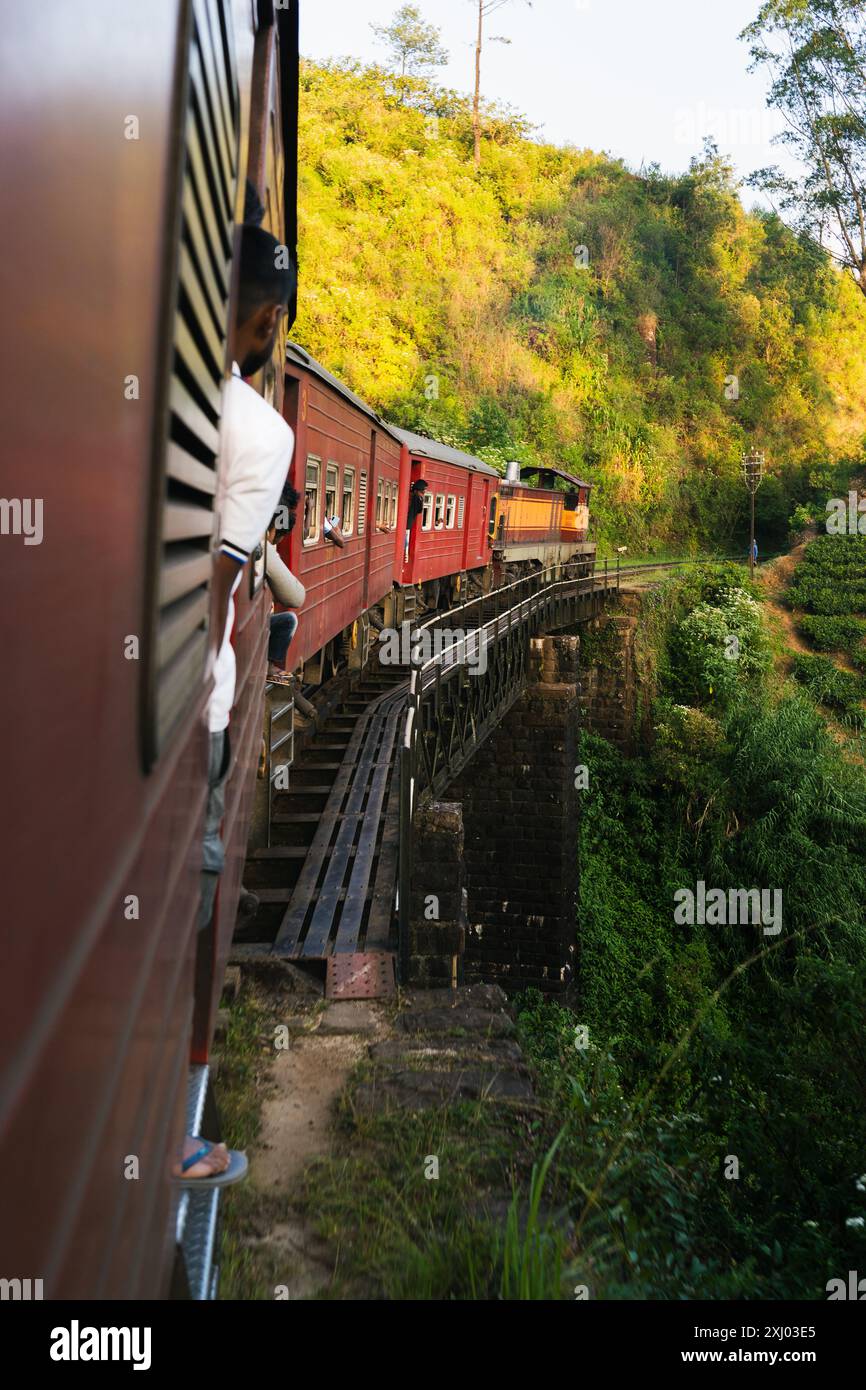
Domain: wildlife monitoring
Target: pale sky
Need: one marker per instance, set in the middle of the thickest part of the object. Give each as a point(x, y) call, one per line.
point(641, 79)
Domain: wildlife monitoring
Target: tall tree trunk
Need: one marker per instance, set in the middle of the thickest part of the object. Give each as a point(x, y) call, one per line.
point(476, 119)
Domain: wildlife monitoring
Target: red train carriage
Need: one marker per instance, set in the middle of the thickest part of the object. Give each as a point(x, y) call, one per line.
point(125, 195)
point(450, 539)
point(347, 463)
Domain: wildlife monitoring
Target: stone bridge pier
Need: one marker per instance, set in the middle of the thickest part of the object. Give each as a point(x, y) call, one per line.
point(497, 857)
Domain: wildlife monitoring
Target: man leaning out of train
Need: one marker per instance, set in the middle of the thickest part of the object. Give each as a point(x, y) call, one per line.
point(286, 588)
point(254, 455)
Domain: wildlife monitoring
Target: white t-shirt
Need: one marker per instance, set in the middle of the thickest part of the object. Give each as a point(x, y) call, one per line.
point(255, 451)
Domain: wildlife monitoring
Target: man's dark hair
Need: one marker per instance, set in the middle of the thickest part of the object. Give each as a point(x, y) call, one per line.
point(419, 485)
point(264, 276)
point(289, 499)
point(254, 208)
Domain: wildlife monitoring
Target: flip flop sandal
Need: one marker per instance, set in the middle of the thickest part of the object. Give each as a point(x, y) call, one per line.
point(237, 1169)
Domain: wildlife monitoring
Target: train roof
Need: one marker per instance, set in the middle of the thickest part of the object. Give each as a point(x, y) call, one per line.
point(444, 453)
point(543, 468)
point(300, 358)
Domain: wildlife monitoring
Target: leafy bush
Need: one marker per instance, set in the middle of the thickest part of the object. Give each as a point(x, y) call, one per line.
point(831, 578)
point(842, 634)
point(687, 746)
point(801, 519)
point(838, 690)
point(717, 648)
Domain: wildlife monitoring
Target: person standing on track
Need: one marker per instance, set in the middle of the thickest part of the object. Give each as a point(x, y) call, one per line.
point(255, 452)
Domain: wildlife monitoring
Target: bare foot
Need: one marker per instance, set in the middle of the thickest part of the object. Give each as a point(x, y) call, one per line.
point(216, 1160)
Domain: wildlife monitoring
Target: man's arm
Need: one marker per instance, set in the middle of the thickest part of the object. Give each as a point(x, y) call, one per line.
point(333, 533)
point(225, 570)
point(286, 588)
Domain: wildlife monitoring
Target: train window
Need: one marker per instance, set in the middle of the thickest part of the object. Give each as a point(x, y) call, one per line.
point(570, 503)
point(450, 509)
point(362, 501)
point(392, 509)
point(311, 501)
point(493, 516)
point(461, 508)
point(380, 503)
point(347, 511)
point(332, 478)
point(439, 512)
point(427, 512)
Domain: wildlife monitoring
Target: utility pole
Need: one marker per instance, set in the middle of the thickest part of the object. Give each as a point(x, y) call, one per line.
point(485, 7)
point(476, 118)
point(753, 476)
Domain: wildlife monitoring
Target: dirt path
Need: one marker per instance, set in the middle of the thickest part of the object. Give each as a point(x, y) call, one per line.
point(287, 1060)
point(439, 1047)
point(774, 579)
point(307, 1079)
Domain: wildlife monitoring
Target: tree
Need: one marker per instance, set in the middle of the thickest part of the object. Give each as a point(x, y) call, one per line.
point(816, 53)
point(415, 46)
point(485, 8)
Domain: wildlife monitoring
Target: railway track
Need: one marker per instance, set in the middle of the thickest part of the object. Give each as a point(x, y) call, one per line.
point(325, 884)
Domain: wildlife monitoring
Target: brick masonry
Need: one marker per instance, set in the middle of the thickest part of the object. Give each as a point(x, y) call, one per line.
point(608, 695)
point(501, 855)
point(520, 823)
point(438, 912)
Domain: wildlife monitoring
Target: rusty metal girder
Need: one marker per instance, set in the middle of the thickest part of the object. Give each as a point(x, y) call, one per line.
point(364, 975)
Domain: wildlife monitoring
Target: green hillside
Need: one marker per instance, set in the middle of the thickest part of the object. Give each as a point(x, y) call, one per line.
point(457, 303)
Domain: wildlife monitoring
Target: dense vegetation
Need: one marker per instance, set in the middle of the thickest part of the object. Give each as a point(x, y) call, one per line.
point(710, 1042)
point(846, 635)
point(832, 576)
point(458, 302)
point(699, 1129)
point(830, 584)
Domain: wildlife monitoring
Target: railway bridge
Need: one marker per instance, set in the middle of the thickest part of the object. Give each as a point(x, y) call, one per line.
point(338, 877)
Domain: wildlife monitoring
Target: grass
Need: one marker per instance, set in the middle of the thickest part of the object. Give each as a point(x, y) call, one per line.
point(410, 1234)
